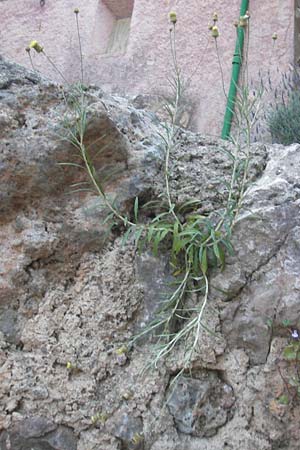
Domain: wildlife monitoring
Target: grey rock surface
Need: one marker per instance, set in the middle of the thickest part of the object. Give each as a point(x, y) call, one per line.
point(70, 298)
point(40, 434)
point(201, 405)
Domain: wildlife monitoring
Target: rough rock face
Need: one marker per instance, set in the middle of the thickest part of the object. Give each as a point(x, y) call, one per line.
point(70, 296)
point(201, 406)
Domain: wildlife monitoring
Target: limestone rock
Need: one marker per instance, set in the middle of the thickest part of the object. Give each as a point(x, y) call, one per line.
point(38, 433)
point(201, 406)
point(71, 298)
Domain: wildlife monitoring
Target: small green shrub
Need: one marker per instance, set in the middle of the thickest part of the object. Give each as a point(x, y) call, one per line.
point(284, 121)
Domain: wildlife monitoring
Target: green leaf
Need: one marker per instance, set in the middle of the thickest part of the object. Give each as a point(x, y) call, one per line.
point(203, 259)
point(151, 230)
point(75, 191)
point(228, 246)
point(108, 218)
point(222, 258)
point(179, 245)
point(175, 229)
point(175, 237)
point(126, 236)
point(159, 216)
point(228, 153)
point(196, 218)
point(71, 164)
point(158, 238)
point(81, 183)
point(150, 204)
point(195, 259)
point(290, 352)
point(269, 323)
point(137, 238)
point(136, 208)
point(189, 204)
point(217, 251)
point(205, 237)
point(283, 400)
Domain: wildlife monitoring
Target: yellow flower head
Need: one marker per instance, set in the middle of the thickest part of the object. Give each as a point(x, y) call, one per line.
point(36, 46)
point(76, 11)
point(69, 365)
point(173, 17)
point(215, 31)
point(121, 350)
point(215, 17)
point(274, 36)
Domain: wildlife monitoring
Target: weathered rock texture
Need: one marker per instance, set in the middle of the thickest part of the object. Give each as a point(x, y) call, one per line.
point(69, 298)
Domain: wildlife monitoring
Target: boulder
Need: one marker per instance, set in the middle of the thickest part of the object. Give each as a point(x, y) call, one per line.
point(72, 295)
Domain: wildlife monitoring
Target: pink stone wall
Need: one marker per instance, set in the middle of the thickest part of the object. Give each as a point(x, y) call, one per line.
point(120, 8)
point(145, 66)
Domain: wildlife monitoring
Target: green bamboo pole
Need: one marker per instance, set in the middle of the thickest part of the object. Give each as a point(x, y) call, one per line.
point(236, 66)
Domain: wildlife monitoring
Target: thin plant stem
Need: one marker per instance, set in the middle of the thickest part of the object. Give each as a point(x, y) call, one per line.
point(80, 47)
point(55, 67)
point(31, 61)
point(200, 315)
point(171, 131)
point(220, 67)
point(245, 64)
point(92, 177)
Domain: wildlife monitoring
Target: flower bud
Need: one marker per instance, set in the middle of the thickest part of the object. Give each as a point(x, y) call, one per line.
point(76, 11)
point(173, 17)
point(36, 46)
point(215, 17)
point(274, 36)
point(215, 31)
point(121, 350)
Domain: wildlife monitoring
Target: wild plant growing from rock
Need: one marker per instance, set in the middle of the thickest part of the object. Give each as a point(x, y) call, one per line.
point(195, 242)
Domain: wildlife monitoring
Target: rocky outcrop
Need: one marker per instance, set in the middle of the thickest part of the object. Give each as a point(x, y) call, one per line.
point(71, 294)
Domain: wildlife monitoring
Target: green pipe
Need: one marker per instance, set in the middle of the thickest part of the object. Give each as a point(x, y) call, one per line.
point(236, 66)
